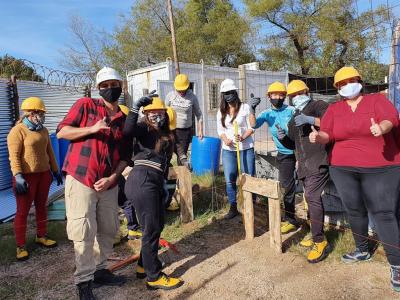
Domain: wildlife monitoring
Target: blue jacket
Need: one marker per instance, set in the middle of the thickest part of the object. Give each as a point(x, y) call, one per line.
point(272, 117)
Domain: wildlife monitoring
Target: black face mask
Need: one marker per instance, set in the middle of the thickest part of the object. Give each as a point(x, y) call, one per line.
point(277, 102)
point(111, 94)
point(229, 98)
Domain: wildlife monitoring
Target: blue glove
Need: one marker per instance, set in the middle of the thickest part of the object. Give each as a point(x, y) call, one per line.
point(58, 177)
point(303, 119)
point(145, 100)
point(281, 133)
point(21, 186)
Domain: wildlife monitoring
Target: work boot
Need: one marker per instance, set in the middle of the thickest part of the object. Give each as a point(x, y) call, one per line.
point(233, 212)
point(307, 241)
point(105, 277)
point(287, 227)
point(85, 291)
point(318, 252)
point(134, 234)
point(164, 282)
point(395, 277)
point(140, 273)
point(173, 206)
point(356, 256)
point(45, 242)
point(22, 253)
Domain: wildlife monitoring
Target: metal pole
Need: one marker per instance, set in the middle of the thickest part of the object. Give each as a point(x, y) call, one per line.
point(171, 23)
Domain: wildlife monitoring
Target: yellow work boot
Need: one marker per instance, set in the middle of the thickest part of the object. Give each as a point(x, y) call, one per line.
point(307, 241)
point(165, 283)
point(45, 242)
point(173, 206)
point(140, 273)
point(22, 253)
point(134, 234)
point(287, 227)
point(318, 252)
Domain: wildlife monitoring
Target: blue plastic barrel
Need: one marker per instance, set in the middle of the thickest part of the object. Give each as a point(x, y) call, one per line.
point(63, 150)
point(55, 146)
point(205, 155)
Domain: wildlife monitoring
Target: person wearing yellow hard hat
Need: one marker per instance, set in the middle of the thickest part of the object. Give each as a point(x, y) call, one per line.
point(312, 162)
point(32, 160)
point(146, 183)
point(278, 117)
point(185, 104)
point(365, 165)
point(96, 157)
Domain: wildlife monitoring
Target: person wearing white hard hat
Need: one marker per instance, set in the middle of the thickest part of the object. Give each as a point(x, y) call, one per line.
point(233, 110)
point(94, 161)
point(184, 102)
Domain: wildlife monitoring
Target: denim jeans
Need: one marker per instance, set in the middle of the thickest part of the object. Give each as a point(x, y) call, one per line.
point(229, 162)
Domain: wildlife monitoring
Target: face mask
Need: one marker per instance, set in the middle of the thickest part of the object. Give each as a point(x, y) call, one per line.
point(229, 98)
point(350, 90)
point(31, 125)
point(182, 93)
point(300, 101)
point(111, 94)
point(277, 102)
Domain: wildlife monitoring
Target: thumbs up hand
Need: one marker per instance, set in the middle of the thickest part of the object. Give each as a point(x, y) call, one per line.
point(281, 133)
point(314, 135)
point(376, 130)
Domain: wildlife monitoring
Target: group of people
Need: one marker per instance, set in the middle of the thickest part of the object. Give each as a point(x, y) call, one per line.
point(353, 141)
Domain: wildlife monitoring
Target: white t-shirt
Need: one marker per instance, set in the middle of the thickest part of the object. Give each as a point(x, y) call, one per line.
point(243, 121)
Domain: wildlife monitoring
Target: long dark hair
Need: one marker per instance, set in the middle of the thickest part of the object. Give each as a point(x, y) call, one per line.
point(164, 137)
point(224, 108)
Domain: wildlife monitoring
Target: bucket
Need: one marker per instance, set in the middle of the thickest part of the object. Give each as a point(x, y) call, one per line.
point(63, 150)
point(56, 147)
point(205, 155)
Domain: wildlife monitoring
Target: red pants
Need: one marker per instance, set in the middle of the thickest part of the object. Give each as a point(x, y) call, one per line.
point(38, 190)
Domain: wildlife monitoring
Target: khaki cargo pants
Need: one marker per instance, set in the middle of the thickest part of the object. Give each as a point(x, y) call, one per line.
point(92, 223)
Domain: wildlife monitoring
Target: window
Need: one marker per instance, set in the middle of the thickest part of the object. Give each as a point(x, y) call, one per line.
point(213, 95)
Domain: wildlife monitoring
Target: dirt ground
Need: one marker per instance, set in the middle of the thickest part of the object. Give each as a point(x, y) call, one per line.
point(215, 263)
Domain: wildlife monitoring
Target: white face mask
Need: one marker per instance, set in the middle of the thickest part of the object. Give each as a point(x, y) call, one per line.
point(350, 90)
point(300, 101)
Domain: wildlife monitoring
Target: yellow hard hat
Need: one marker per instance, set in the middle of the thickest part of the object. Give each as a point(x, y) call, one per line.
point(124, 109)
point(156, 104)
point(296, 86)
point(276, 87)
point(345, 73)
point(181, 82)
point(172, 118)
point(33, 103)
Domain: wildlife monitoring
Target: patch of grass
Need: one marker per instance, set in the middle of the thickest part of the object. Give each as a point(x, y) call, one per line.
point(17, 288)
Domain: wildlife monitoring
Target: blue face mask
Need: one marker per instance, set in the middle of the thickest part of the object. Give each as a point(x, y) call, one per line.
point(32, 126)
point(300, 101)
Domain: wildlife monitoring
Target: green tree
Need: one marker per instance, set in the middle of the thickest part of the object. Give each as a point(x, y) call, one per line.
point(317, 37)
point(13, 66)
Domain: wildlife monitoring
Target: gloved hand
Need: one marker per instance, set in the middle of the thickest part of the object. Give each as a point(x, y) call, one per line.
point(58, 177)
point(187, 164)
point(253, 103)
point(281, 132)
point(21, 186)
point(145, 100)
point(303, 119)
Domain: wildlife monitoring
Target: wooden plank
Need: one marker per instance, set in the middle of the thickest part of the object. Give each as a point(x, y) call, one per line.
point(260, 186)
point(275, 224)
point(185, 192)
point(248, 215)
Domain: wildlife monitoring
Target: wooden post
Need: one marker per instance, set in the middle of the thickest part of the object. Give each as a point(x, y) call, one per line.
point(171, 24)
point(185, 192)
point(274, 210)
point(242, 83)
point(248, 215)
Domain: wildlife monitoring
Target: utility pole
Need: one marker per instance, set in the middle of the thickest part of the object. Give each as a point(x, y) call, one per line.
point(171, 24)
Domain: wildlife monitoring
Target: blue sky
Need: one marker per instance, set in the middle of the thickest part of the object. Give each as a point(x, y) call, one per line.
point(37, 29)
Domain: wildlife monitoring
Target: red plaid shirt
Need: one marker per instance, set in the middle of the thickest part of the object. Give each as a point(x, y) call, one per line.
point(97, 155)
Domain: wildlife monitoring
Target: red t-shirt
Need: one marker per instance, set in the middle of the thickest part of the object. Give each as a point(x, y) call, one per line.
point(353, 143)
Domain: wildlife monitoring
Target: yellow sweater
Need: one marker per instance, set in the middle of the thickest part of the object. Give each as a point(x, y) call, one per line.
point(30, 151)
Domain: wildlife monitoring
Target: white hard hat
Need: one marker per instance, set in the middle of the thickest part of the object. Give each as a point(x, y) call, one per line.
point(107, 74)
point(228, 85)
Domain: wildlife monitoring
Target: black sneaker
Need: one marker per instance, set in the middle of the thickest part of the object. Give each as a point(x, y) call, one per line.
point(395, 277)
point(85, 291)
point(105, 277)
point(233, 212)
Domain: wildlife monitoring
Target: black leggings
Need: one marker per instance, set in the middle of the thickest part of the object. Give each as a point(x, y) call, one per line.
point(183, 138)
point(286, 166)
point(373, 190)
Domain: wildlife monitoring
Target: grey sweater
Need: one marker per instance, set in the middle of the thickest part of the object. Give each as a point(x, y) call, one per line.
point(184, 108)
